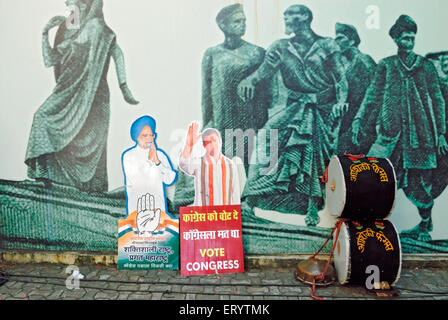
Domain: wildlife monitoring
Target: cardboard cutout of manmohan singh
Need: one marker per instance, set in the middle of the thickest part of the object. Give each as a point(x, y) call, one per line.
point(148, 238)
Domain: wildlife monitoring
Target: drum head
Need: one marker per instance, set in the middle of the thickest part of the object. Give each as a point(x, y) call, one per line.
point(342, 262)
point(335, 191)
point(401, 256)
point(395, 198)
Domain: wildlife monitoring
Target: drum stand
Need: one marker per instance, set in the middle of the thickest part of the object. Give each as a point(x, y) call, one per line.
point(318, 272)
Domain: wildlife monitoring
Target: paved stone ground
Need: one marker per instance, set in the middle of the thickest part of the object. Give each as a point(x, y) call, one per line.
point(265, 284)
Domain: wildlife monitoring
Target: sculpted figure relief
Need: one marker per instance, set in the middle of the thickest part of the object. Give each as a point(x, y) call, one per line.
point(223, 68)
point(68, 140)
point(312, 70)
point(406, 97)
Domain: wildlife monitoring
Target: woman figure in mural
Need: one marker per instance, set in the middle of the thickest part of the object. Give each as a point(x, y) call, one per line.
point(406, 95)
point(312, 70)
point(223, 67)
point(67, 143)
point(360, 69)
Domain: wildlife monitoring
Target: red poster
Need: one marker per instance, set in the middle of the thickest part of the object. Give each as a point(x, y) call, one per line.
point(211, 240)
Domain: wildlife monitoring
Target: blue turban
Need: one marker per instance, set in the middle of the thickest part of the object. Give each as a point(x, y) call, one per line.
point(140, 123)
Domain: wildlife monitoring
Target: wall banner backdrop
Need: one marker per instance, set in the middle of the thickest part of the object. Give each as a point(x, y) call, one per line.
point(286, 83)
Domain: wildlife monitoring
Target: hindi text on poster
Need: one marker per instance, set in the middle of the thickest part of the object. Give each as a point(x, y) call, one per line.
point(211, 240)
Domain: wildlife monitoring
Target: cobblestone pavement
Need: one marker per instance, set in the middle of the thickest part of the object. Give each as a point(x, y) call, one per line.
point(108, 283)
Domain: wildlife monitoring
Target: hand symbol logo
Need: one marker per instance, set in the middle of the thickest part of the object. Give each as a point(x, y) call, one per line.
point(148, 217)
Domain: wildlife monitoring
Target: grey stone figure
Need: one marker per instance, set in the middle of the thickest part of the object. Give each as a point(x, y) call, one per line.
point(223, 68)
point(312, 70)
point(68, 140)
point(360, 68)
point(405, 95)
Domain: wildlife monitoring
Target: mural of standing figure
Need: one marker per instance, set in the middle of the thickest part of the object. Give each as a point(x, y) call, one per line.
point(223, 68)
point(406, 95)
point(312, 70)
point(439, 184)
point(360, 69)
point(68, 140)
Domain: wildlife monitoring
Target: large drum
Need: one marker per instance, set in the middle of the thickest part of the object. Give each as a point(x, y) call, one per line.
point(360, 187)
point(363, 244)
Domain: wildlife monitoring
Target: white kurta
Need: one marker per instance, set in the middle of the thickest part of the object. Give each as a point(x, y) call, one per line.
point(215, 182)
point(144, 176)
